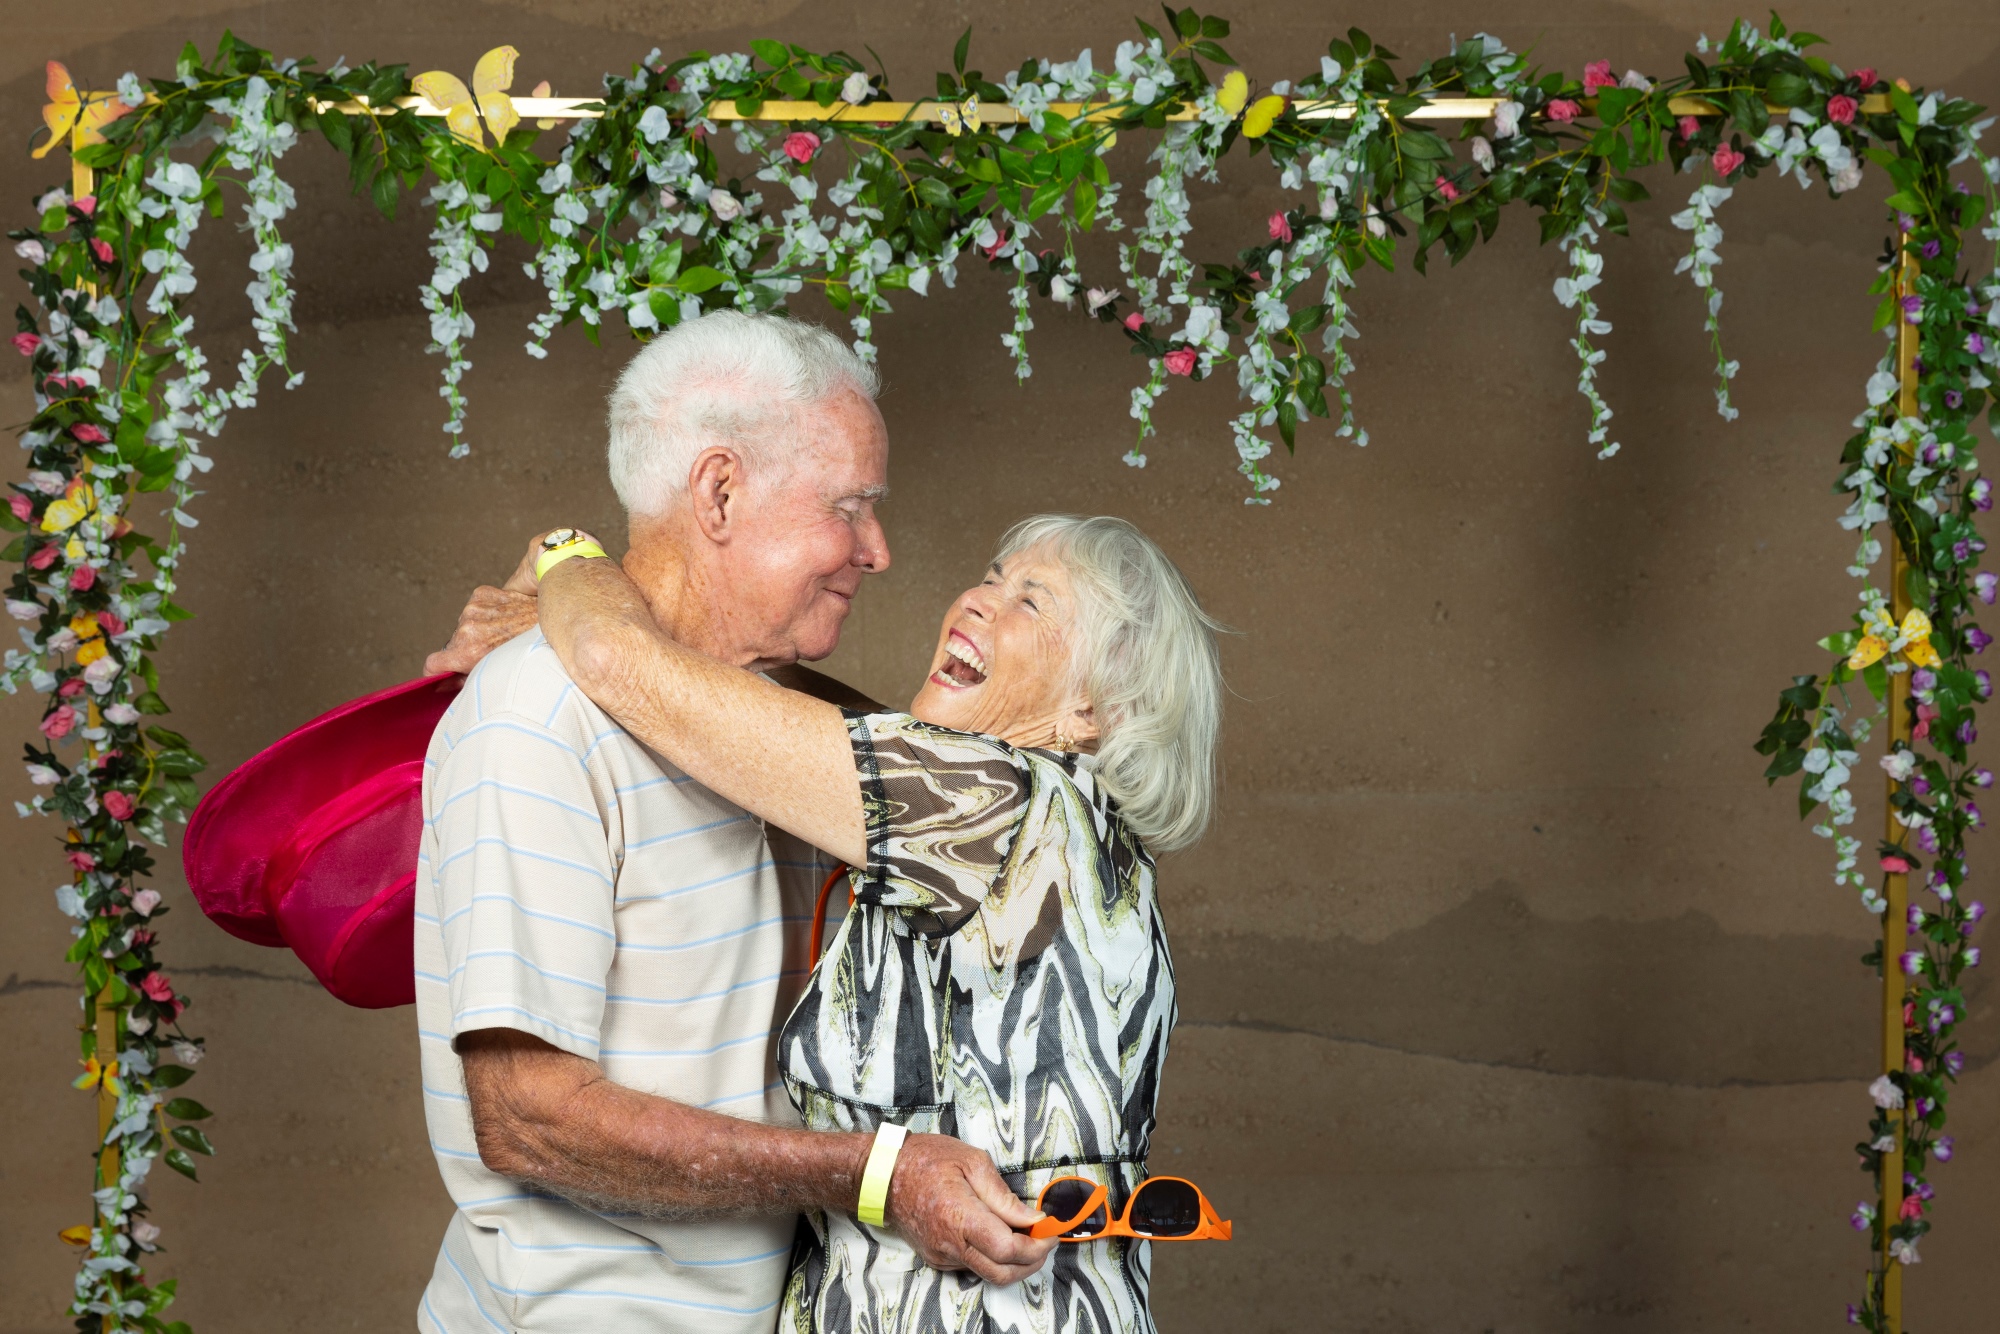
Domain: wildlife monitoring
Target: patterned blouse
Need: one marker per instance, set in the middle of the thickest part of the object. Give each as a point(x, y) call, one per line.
point(1003, 977)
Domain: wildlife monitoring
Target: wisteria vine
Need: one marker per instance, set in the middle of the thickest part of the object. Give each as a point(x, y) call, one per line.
point(637, 218)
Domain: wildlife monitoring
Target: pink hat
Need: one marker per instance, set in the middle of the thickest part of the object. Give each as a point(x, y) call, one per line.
point(312, 843)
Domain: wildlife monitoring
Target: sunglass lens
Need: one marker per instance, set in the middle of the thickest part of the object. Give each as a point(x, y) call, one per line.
point(1065, 1199)
point(1166, 1208)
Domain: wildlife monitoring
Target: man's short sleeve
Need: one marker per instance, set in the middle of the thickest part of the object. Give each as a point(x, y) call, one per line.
point(525, 883)
point(942, 809)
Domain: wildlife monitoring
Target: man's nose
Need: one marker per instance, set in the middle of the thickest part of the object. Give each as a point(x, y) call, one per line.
point(871, 545)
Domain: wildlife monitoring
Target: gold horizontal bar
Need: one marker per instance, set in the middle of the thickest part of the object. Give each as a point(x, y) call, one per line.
point(895, 113)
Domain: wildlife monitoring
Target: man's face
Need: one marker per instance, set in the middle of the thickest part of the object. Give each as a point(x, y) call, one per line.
point(791, 569)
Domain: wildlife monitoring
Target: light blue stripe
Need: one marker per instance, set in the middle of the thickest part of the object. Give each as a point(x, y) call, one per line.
point(518, 851)
point(447, 1096)
point(706, 995)
point(426, 917)
point(452, 1153)
point(738, 1097)
point(599, 740)
point(664, 1052)
point(526, 1014)
point(709, 940)
point(636, 1297)
point(494, 1199)
point(469, 1290)
point(687, 833)
point(434, 1037)
point(569, 688)
point(653, 782)
point(530, 912)
point(705, 884)
point(518, 791)
point(428, 977)
point(509, 725)
point(530, 963)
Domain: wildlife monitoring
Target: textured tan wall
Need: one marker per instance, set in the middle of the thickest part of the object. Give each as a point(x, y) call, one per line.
point(1512, 1000)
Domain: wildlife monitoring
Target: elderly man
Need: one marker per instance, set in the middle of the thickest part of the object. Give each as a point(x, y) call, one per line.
point(604, 948)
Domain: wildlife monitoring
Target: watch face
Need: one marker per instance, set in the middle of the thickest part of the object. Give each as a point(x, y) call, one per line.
point(559, 538)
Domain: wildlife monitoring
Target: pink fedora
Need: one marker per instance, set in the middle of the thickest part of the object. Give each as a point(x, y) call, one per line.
point(312, 843)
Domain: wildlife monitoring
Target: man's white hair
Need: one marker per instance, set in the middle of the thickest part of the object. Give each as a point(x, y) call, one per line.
point(726, 378)
point(1144, 656)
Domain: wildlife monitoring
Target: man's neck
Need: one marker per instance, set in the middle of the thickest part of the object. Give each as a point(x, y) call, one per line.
point(683, 594)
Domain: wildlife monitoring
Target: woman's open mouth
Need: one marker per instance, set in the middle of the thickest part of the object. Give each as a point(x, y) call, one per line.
point(963, 666)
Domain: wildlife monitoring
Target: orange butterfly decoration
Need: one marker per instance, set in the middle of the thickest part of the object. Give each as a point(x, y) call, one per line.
point(66, 110)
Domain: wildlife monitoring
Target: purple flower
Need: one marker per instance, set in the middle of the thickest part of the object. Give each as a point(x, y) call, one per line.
point(1941, 1147)
point(1947, 1014)
point(1923, 1108)
point(1974, 911)
point(1986, 586)
point(1975, 343)
point(1904, 222)
point(1864, 1214)
point(1967, 733)
point(1916, 918)
point(1982, 684)
point(1954, 1061)
point(1923, 679)
point(1970, 954)
point(1961, 551)
point(1853, 1314)
point(1920, 784)
point(1973, 816)
point(1953, 399)
point(1982, 777)
point(1927, 840)
point(1913, 308)
point(1932, 249)
point(1977, 639)
point(1913, 962)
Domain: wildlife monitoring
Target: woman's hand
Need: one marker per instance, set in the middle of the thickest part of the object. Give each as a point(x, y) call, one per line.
point(492, 616)
point(949, 1203)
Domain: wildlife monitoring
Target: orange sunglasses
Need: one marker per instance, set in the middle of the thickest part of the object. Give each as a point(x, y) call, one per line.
point(1161, 1209)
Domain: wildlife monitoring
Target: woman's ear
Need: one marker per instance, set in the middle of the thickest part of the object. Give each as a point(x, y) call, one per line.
point(1080, 726)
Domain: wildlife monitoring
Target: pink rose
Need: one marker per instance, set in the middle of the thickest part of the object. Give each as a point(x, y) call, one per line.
point(1446, 190)
point(158, 988)
point(1597, 74)
point(71, 688)
point(1180, 361)
point(59, 724)
point(1281, 228)
point(1564, 110)
point(82, 860)
point(801, 146)
point(113, 623)
point(1134, 321)
point(143, 903)
point(103, 250)
point(88, 434)
point(1895, 865)
point(1726, 161)
point(86, 206)
point(121, 808)
point(24, 508)
point(1840, 109)
point(143, 936)
point(26, 343)
point(1689, 128)
point(43, 557)
point(82, 578)
point(999, 240)
point(1865, 77)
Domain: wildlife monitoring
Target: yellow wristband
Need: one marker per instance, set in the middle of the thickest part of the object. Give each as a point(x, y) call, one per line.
point(548, 560)
point(875, 1177)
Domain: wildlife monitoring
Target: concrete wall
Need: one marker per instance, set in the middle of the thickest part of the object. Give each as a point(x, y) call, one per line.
point(1512, 999)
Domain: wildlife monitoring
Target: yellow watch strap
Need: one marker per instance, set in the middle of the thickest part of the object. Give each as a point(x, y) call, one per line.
point(548, 560)
point(875, 1176)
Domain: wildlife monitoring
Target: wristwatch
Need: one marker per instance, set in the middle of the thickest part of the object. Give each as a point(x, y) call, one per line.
point(561, 537)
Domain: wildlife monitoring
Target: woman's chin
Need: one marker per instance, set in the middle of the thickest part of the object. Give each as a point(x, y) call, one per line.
point(942, 702)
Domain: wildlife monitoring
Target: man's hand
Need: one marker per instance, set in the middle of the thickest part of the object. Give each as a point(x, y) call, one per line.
point(490, 619)
point(948, 1202)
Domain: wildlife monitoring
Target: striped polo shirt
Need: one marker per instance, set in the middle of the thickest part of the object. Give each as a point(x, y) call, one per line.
point(574, 885)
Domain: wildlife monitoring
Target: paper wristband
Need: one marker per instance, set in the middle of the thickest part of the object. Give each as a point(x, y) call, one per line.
point(548, 560)
point(875, 1177)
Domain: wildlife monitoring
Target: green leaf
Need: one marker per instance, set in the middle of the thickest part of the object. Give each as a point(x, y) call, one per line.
point(384, 192)
point(171, 1076)
point(771, 53)
point(1187, 23)
point(1288, 424)
point(665, 265)
point(1214, 27)
point(1788, 89)
point(1876, 677)
point(193, 1140)
point(180, 1162)
point(700, 279)
point(958, 52)
point(187, 1109)
point(333, 124)
point(1905, 105)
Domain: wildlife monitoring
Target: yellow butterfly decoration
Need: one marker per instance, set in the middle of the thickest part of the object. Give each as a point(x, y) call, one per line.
point(491, 78)
point(959, 117)
point(1235, 91)
point(1916, 636)
point(1262, 115)
point(95, 1074)
point(76, 1236)
point(66, 110)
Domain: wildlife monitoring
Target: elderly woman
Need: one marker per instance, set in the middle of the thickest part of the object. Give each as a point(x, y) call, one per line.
point(1003, 976)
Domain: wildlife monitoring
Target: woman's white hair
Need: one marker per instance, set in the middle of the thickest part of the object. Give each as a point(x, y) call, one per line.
point(1144, 655)
point(726, 378)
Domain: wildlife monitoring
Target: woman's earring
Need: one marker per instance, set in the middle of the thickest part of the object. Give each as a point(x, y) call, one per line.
point(1065, 742)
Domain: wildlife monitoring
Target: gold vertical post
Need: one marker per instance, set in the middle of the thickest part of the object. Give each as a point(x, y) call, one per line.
point(1895, 918)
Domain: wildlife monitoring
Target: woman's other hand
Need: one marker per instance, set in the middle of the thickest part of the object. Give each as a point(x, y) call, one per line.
point(492, 616)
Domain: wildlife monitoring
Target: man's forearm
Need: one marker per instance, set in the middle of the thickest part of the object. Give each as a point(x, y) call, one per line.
point(553, 1119)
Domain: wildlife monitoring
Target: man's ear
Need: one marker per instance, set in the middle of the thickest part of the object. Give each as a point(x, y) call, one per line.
point(715, 489)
